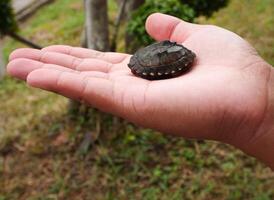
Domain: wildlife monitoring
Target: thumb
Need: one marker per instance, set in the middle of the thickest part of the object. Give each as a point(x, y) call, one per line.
point(165, 27)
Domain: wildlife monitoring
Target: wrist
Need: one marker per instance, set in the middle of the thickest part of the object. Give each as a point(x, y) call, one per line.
point(261, 145)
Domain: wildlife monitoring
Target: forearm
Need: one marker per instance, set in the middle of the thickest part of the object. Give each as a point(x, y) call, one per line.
point(262, 144)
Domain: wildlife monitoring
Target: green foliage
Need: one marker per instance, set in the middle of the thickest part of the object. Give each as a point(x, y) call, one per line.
point(172, 7)
point(7, 22)
point(187, 10)
point(205, 7)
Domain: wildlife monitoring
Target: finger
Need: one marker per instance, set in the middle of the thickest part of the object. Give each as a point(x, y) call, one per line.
point(61, 59)
point(92, 90)
point(87, 53)
point(21, 67)
point(166, 27)
point(95, 74)
point(46, 57)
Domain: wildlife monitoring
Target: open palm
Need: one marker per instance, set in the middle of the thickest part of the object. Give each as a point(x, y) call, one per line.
point(225, 91)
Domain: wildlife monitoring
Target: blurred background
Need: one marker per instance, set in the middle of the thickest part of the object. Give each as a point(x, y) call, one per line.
point(52, 148)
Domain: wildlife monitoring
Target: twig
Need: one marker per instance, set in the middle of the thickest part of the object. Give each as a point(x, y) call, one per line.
point(117, 25)
point(23, 40)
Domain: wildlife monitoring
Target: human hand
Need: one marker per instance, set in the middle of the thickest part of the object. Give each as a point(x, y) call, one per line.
point(224, 97)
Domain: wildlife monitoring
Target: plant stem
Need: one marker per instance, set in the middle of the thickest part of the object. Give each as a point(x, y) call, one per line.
point(117, 26)
point(23, 40)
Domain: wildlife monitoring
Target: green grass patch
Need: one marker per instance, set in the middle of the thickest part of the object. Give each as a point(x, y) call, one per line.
point(58, 23)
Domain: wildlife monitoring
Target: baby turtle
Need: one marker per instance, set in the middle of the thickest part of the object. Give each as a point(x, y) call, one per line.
point(161, 60)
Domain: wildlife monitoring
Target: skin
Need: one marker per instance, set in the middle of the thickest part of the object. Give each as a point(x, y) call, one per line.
point(225, 97)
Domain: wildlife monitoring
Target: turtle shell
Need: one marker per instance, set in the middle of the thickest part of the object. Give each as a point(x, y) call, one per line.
point(161, 60)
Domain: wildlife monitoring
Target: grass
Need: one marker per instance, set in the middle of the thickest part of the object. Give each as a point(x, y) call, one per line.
point(43, 154)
